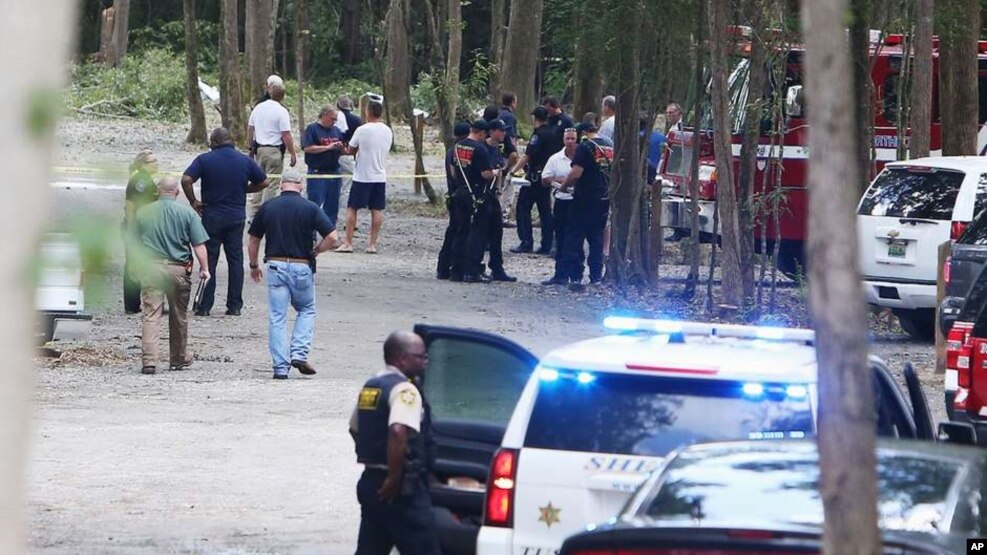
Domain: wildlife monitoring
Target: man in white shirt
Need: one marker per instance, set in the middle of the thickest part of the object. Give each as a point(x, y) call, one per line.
point(609, 111)
point(673, 117)
point(269, 133)
point(556, 170)
point(371, 142)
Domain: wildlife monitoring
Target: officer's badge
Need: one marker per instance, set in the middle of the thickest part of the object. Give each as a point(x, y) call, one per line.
point(549, 514)
point(369, 397)
point(408, 397)
point(140, 186)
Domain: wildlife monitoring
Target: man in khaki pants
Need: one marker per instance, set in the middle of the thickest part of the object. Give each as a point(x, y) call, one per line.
point(169, 233)
point(269, 136)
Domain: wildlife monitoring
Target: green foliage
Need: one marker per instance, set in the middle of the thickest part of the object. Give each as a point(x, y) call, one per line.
point(423, 93)
point(150, 85)
point(317, 97)
point(171, 36)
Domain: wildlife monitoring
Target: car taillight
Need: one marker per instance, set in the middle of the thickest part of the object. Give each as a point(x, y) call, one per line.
point(963, 366)
point(500, 489)
point(957, 229)
point(946, 274)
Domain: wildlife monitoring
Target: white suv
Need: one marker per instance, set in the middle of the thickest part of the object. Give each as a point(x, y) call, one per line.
point(530, 452)
point(59, 297)
point(907, 212)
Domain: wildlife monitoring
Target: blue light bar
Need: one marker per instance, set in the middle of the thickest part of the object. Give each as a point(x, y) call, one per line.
point(797, 391)
point(769, 333)
point(548, 374)
point(585, 378)
point(772, 334)
point(753, 389)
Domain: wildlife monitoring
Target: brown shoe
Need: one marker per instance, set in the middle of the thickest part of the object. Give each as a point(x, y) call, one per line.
point(303, 367)
point(183, 365)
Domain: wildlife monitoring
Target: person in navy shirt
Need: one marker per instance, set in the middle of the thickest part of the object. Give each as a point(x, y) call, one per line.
point(323, 144)
point(457, 223)
point(227, 177)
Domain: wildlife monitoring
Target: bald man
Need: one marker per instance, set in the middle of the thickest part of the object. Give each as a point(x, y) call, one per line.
point(169, 233)
point(391, 425)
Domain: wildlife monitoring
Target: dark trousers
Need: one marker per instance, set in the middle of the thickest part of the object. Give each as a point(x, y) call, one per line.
point(586, 223)
point(324, 192)
point(407, 522)
point(229, 236)
point(459, 220)
point(486, 231)
point(131, 284)
point(560, 223)
point(540, 196)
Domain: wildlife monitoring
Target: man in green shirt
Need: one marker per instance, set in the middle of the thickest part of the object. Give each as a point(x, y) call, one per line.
point(169, 233)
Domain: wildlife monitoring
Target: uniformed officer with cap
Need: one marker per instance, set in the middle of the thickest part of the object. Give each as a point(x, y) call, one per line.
point(456, 224)
point(391, 427)
point(535, 157)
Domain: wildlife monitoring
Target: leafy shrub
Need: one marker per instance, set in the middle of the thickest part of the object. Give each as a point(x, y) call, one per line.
point(149, 85)
point(171, 36)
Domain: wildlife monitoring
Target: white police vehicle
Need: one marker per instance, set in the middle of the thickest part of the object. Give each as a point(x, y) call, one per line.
point(530, 452)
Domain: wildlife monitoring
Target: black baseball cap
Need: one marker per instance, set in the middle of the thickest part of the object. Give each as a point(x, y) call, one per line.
point(540, 113)
point(461, 130)
point(479, 125)
point(496, 125)
point(586, 126)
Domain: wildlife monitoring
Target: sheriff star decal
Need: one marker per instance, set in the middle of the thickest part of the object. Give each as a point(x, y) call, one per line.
point(408, 397)
point(549, 514)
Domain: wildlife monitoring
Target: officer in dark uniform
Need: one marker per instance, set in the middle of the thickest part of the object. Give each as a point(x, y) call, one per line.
point(488, 228)
point(537, 194)
point(474, 173)
point(456, 223)
point(589, 182)
point(392, 429)
point(557, 120)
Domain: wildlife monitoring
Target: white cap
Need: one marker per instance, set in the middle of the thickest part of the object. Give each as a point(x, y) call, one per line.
point(275, 80)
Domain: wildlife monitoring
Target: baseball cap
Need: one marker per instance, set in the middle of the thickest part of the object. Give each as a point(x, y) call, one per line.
point(586, 126)
point(291, 175)
point(496, 125)
point(275, 80)
point(479, 125)
point(462, 128)
point(540, 113)
point(344, 102)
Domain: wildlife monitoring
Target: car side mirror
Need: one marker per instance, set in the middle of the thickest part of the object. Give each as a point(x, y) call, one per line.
point(962, 433)
point(794, 101)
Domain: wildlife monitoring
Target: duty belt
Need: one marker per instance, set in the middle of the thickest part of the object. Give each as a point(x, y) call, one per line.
point(287, 259)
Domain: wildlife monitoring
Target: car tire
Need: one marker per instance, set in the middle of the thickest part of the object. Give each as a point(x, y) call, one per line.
point(919, 323)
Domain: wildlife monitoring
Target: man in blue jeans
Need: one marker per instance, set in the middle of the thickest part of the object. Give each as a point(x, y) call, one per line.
point(322, 144)
point(227, 176)
point(289, 222)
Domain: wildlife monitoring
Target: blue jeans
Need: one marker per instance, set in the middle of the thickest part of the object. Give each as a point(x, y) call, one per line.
point(325, 193)
point(289, 283)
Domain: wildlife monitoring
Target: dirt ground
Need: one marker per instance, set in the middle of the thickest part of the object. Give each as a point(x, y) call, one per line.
point(220, 459)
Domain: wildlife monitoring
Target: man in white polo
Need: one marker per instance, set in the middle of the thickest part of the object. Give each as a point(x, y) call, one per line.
point(269, 134)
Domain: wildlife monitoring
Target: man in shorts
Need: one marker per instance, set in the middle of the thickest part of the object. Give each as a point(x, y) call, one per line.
point(371, 143)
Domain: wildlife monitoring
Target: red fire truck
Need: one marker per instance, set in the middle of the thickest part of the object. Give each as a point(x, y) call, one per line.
point(793, 219)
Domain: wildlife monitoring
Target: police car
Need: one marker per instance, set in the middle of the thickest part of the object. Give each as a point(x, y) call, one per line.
point(530, 452)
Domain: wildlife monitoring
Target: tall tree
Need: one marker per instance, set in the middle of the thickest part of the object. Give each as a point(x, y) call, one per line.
point(115, 33)
point(230, 74)
point(846, 437)
point(197, 116)
point(301, 55)
point(397, 70)
point(959, 24)
point(863, 87)
point(43, 28)
point(921, 101)
point(735, 282)
point(444, 60)
point(521, 53)
point(351, 21)
point(258, 42)
point(498, 11)
point(587, 56)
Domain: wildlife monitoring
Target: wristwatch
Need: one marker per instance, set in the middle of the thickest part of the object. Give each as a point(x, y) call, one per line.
point(254, 266)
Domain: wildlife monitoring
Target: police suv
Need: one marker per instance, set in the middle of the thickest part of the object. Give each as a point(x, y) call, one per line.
point(530, 452)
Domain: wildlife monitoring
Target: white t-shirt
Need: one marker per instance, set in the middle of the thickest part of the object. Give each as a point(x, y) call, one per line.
point(269, 119)
point(341, 122)
point(558, 167)
point(374, 142)
point(606, 128)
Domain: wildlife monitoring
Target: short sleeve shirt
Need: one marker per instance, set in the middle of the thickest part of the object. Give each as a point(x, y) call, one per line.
point(322, 162)
point(141, 189)
point(225, 173)
point(166, 229)
point(269, 119)
point(471, 160)
point(558, 168)
point(543, 144)
point(509, 119)
point(288, 222)
point(374, 142)
point(595, 156)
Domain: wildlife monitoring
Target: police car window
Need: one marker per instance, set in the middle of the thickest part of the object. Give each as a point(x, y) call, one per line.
point(912, 193)
point(468, 380)
point(647, 415)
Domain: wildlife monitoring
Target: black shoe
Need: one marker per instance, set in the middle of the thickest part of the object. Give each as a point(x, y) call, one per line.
point(132, 311)
point(556, 280)
point(577, 287)
point(543, 250)
point(475, 278)
point(148, 370)
point(442, 275)
point(232, 312)
point(281, 376)
point(455, 278)
point(509, 225)
point(502, 276)
point(595, 281)
point(202, 313)
point(303, 367)
point(521, 249)
point(183, 365)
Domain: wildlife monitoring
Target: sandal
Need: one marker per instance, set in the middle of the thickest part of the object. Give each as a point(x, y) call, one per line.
point(344, 248)
point(371, 250)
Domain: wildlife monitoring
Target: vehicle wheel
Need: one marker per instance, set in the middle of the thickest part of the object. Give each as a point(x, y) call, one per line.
point(46, 329)
point(791, 265)
point(919, 323)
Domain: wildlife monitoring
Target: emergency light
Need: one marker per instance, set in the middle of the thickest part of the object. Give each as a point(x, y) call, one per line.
point(709, 329)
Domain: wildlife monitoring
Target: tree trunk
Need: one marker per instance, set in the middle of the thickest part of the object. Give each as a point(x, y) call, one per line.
point(698, 103)
point(521, 53)
point(107, 48)
point(197, 116)
point(453, 56)
point(863, 88)
point(301, 54)
point(46, 30)
point(735, 283)
point(748, 150)
point(846, 436)
point(258, 43)
point(397, 71)
point(958, 75)
point(921, 101)
point(352, 32)
point(121, 30)
point(498, 10)
point(588, 82)
point(230, 75)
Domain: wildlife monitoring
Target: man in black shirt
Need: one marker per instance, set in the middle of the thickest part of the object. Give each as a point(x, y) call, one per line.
point(493, 229)
point(589, 182)
point(558, 120)
point(289, 222)
point(540, 148)
point(456, 223)
point(474, 172)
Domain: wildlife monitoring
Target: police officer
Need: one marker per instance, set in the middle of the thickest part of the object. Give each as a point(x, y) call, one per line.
point(456, 223)
point(536, 155)
point(492, 227)
point(391, 426)
point(558, 120)
point(589, 183)
point(474, 173)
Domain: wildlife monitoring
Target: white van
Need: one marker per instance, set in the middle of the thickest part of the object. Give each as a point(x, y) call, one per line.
point(910, 209)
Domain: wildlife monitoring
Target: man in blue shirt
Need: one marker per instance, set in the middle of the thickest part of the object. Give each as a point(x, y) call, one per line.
point(227, 176)
point(508, 103)
point(323, 144)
